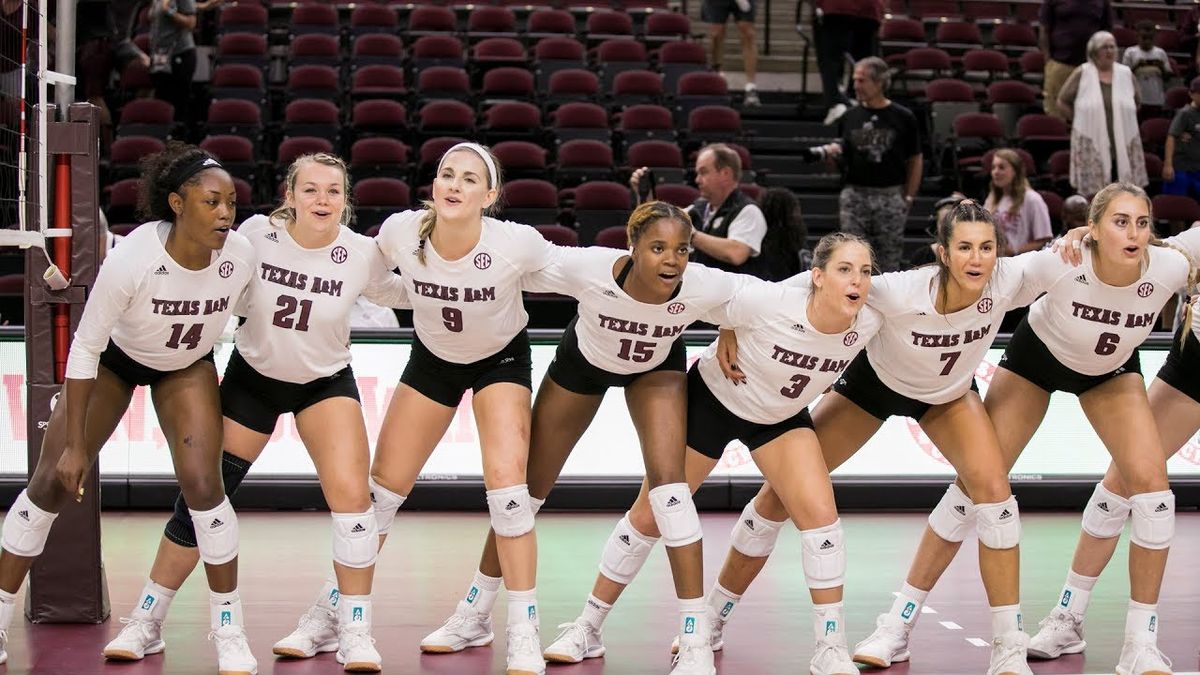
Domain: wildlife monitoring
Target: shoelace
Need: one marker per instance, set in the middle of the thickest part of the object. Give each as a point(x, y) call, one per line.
point(823, 647)
point(523, 639)
point(135, 624)
point(231, 641)
point(314, 618)
point(576, 633)
point(1150, 650)
point(688, 655)
point(1002, 654)
point(457, 621)
point(355, 638)
point(1058, 622)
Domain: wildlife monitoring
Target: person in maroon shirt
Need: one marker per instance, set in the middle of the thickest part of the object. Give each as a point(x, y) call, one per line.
point(1066, 26)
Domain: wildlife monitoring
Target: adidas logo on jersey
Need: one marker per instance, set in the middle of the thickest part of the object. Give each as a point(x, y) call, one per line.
point(215, 523)
point(271, 236)
point(672, 502)
point(962, 510)
point(1103, 506)
point(609, 293)
point(826, 545)
point(512, 504)
point(358, 528)
point(162, 269)
point(1161, 507)
point(749, 524)
point(1082, 278)
point(624, 539)
point(24, 514)
point(1005, 514)
point(798, 328)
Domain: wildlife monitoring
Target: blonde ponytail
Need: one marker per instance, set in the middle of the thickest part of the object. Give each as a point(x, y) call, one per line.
point(425, 229)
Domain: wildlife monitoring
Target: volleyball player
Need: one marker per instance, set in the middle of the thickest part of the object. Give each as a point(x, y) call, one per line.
point(1082, 337)
point(1174, 398)
point(633, 307)
point(158, 306)
point(292, 355)
point(939, 322)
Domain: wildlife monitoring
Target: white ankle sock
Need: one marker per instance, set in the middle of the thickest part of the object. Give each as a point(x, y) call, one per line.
point(154, 603)
point(693, 618)
point(327, 597)
point(225, 609)
point(8, 607)
point(1141, 622)
point(482, 595)
point(1006, 619)
point(522, 606)
point(827, 623)
point(354, 610)
point(595, 611)
point(907, 605)
point(721, 601)
point(1076, 594)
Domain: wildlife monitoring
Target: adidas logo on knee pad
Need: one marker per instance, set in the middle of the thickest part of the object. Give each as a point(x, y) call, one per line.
point(748, 523)
point(1162, 506)
point(624, 539)
point(24, 514)
point(1103, 506)
point(1005, 514)
point(827, 545)
point(358, 528)
point(217, 522)
point(512, 504)
point(962, 510)
point(672, 502)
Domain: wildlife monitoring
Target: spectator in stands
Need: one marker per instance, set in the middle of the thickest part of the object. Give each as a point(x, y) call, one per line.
point(1150, 64)
point(1074, 213)
point(1100, 99)
point(842, 27)
point(783, 248)
point(716, 13)
point(1181, 157)
point(173, 51)
point(1064, 31)
point(881, 151)
point(1018, 210)
point(1189, 25)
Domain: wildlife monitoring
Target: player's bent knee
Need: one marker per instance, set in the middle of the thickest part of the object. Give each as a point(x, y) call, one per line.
point(179, 528)
point(511, 511)
point(675, 514)
point(216, 533)
point(998, 524)
point(1105, 514)
point(753, 535)
point(385, 504)
point(26, 527)
point(355, 539)
point(824, 556)
point(1153, 519)
point(625, 552)
point(953, 516)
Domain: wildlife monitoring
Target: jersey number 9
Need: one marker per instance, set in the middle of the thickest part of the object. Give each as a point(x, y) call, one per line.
point(452, 319)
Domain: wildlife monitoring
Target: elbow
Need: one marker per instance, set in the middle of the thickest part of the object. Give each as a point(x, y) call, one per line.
point(739, 256)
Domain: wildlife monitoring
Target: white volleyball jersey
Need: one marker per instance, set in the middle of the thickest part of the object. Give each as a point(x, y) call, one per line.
point(1189, 241)
point(298, 306)
point(616, 333)
point(467, 309)
point(787, 362)
point(932, 357)
point(161, 314)
point(1091, 327)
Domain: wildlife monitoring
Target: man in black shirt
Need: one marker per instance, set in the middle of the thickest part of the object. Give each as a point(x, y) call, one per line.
point(880, 150)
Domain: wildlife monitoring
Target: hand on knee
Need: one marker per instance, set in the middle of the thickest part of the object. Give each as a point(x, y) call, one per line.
point(1105, 514)
point(675, 514)
point(216, 533)
point(953, 516)
point(1153, 519)
point(824, 556)
point(511, 511)
point(998, 524)
point(384, 503)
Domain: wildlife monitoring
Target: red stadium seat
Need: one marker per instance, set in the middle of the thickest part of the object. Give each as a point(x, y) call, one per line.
point(379, 116)
point(367, 19)
point(559, 235)
point(583, 160)
point(682, 196)
point(510, 83)
point(615, 236)
point(531, 201)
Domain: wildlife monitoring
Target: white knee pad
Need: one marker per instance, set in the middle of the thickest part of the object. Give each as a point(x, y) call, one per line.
point(216, 533)
point(355, 539)
point(625, 552)
point(675, 514)
point(824, 556)
point(385, 503)
point(754, 536)
point(512, 512)
point(1153, 519)
point(26, 527)
point(953, 516)
point(998, 524)
point(1105, 514)
point(536, 504)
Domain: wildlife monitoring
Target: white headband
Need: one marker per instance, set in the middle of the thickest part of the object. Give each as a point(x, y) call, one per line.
point(477, 149)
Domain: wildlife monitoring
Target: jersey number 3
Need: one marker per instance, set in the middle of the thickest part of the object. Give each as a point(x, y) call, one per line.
point(799, 382)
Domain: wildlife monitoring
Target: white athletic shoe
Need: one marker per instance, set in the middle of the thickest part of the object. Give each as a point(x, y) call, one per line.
point(465, 628)
point(138, 638)
point(831, 659)
point(888, 644)
point(576, 641)
point(233, 651)
point(1140, 657)
point(716, 637)
point(356, 650)
point(695, 657)
point(524, 650)
point(1009, 654)
point(1059, 633)
point(315, 632)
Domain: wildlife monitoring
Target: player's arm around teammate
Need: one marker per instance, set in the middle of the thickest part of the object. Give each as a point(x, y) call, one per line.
point(1174, 398)
point(156, 310)
point(292, 355)
point(939, 323)
point(632, 309)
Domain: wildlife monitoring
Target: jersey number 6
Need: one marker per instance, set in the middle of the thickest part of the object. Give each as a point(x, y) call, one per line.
point(1107, 344)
